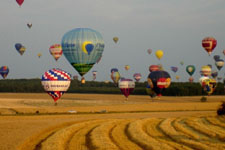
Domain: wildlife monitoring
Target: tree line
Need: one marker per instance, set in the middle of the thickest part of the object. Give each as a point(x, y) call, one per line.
point(175, 89)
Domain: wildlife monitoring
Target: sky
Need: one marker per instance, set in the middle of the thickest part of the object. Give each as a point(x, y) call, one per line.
point(175, 26)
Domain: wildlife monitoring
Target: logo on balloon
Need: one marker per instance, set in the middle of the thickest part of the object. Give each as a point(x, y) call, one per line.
point(87, 47)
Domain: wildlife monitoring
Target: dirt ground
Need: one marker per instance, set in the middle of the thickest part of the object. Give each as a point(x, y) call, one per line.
point(24, 115)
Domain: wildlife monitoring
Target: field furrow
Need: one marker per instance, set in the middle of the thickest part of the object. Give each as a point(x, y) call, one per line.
point(35, 141)
point(139, 136)
point(216, 121)
point(60, 139)
point(179, 137)
point(100, 137)
point(180, 126)
point(151, 127)
point(119, 137)
point(206, 128)
point(78, 140)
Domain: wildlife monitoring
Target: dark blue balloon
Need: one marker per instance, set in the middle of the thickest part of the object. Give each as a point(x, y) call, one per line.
point(18, 46)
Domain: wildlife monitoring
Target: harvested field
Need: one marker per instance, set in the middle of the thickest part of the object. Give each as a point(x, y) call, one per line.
point(109, 122)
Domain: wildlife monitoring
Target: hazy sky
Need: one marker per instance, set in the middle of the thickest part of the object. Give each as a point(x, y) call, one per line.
point(175, 26)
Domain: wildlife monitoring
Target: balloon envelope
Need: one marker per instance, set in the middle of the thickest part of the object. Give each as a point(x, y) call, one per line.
point(159, 81)
point(219, 63)
point(126, 86)
point(209, 43)
point(190, 69)
point(115, 39)
point(149, 51)
point(127, 67)
point(174, 69)
point(137, 76)
point(82, 47)
point(115, 76)
point(209, 85)
point(159, 54)
point(205, 70)
point(4, 70)
point(20, 2)
point(56, 82)
point(56, 51)
point(29, 25)
point(154, 68)
point(114, 70)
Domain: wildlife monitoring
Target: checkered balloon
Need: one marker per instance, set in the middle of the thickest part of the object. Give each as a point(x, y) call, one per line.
point(56, 82)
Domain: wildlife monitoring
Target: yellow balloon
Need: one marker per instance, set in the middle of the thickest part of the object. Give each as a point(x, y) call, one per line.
point(159, 54)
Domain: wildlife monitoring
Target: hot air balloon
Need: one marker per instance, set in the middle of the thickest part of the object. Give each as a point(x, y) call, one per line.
point(224, 51)
point(219, 63)
point(56, 51)
point(29, 25)
point(149, 51)
point(159, 81)
point(4, 70)
point(191, 79)
point(214, 74)
point(154, 68)
point(115, 76)
point(20, 2)
point(20, 48)
point(159, 54)
point(177, 77)
point(205, 71)
point(137, 76)
point(39, 55)
point(115, 39)
point(209, 43)
point(216, 57)
point(82, 47)
point(127, 67)
point(208, 85)
point(190, 69)
point(150, 91)
point(174, 69)
point(94, 74)
point(126, 86)
point(56, 82)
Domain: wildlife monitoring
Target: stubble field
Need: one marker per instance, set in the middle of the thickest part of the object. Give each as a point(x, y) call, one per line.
point(91, 121)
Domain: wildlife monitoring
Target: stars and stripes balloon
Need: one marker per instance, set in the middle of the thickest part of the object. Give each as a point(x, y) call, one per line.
point(56, 82)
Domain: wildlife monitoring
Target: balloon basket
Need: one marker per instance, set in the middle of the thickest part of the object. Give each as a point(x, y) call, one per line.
point(55, 104)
